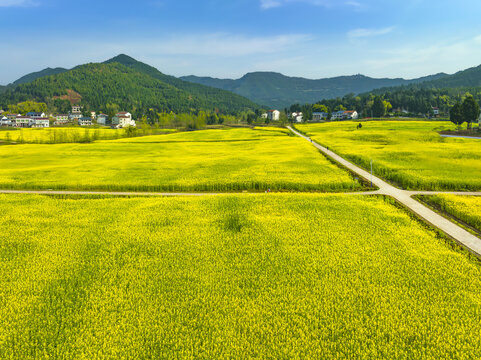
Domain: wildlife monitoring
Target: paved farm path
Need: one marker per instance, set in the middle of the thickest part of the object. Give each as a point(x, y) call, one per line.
point(461, 236)
point(461, 137)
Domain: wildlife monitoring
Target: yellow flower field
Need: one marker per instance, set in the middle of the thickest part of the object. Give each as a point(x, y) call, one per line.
point(61, 135)
point(409, 153)
point(231, 276)
point(465, 208)
point(205, 161)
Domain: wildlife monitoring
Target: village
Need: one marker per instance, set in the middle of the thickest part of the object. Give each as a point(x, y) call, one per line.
point(75, 117)
point(298, 117)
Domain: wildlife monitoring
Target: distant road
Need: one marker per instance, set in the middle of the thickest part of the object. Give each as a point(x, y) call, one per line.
point(461, 137)
point(461, 236)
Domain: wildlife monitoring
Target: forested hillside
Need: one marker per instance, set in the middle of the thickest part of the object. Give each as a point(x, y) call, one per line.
point(111, 86)
point(415, 100)
point(279, 91)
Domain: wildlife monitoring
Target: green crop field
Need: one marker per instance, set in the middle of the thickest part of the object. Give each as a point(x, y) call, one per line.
point(409, 153)
point(465, 208)
point(67, 134)
point(231, 276)
point(211, 160)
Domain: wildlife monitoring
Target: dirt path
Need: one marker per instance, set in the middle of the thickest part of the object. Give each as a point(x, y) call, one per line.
point(461, 236)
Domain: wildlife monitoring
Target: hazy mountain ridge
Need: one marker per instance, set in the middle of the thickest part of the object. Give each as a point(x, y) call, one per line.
point(36, 75)
point(277, 90)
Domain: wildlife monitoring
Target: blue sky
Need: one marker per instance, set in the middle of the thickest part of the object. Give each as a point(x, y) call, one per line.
point(228, 38)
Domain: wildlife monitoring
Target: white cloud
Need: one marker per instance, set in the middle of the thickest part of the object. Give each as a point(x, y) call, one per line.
point(218, 54)
point(17, 3)
point(364, 33)
point(269, 4)
point(420, 60)
point(227, 45)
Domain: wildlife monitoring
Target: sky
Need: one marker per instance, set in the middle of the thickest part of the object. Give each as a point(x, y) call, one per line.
point(228, 38)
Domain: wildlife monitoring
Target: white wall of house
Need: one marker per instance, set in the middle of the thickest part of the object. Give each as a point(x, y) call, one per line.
point(274, 115)
point(39, 123)
point(102, 119)
point(5, 121)
point(85, 122)
point(21, 122)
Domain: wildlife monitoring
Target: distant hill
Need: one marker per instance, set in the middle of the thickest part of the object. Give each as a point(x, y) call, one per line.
point(421, 97)
point(466, 78)
point(35, 75)
point(200, 91)
point(276, 90)
point(128, 84)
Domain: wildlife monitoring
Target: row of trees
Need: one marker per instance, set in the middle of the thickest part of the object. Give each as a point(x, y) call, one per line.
point(414, 99)
point(27, 106)
point(468, 111)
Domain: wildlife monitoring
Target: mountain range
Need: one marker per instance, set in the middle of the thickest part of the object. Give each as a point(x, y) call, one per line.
point(124, 83)
point(279, 91)
point(127, 82)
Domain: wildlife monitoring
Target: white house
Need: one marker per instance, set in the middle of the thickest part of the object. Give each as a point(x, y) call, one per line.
point(352, 114)
point(12, 116)
point(21, 122)
point(297, 117)
point(337, 115)
point(39, 122)
point(274, 115)
point(435, 111)
point(76, 112)
point(122, 120)
point(102, 119)
point(36, 115)
point(319, 116)
point(62, 119)
point(5, 121)
point(85, 121)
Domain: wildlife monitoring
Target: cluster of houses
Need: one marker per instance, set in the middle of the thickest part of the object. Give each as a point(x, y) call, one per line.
point(41, 120)
point(337, 115)
point(272, 115)
point(320, 116)
point(31, 119)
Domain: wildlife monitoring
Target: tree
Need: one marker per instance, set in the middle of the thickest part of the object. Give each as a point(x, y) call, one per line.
point(456, 114)
point(378, 108)
point(387, 106)
point(470, 110)
point(320, 108)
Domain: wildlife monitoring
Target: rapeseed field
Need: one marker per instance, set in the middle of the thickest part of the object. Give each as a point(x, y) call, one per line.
point(62, 135)
point(203, 161)
point(465, 208)
point(411, 154)
point(231, 276)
